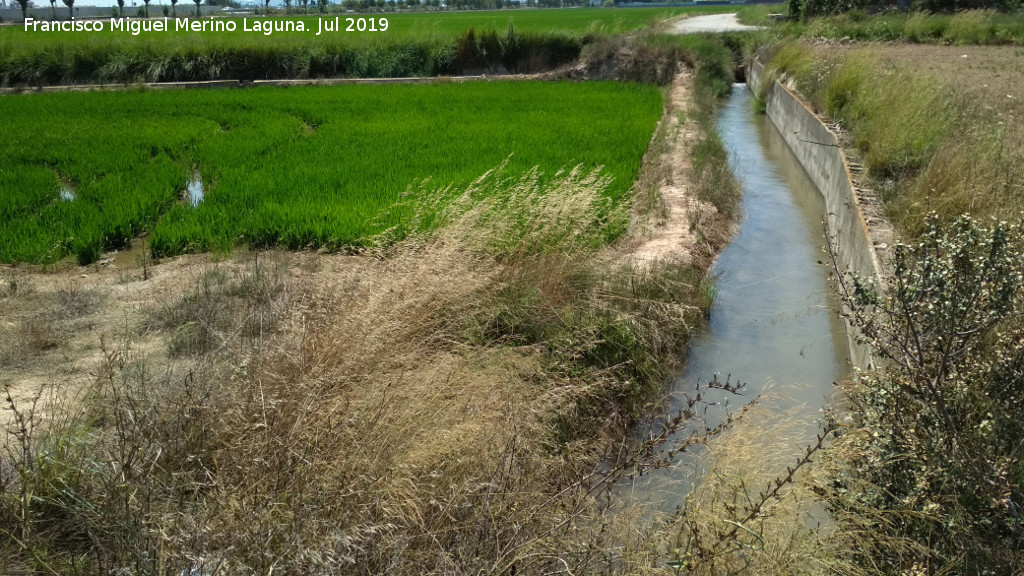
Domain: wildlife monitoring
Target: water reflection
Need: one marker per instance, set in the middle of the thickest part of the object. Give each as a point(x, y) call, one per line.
point(194, 191)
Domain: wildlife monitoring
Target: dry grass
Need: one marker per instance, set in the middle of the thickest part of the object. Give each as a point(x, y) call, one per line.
point(755, 510)
point(227, 304)
point(54, 317)
point(442, 408)
point(937, 126)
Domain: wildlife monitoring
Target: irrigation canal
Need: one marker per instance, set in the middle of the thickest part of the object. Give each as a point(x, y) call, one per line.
point(773, 325)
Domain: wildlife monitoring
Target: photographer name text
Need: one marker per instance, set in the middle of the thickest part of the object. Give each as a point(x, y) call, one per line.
point(265, 26)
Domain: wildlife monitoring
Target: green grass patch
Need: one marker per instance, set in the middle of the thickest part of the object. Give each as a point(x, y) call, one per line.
point(967, 27)
point(307, 167)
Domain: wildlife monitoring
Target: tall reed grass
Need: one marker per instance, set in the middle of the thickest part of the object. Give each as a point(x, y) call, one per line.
point(964, 27)
point(113, 61)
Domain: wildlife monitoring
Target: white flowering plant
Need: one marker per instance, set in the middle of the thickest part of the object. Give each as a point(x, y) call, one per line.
point(942, 435)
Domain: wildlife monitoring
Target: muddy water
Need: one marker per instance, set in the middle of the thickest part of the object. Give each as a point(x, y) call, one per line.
point(773, 324)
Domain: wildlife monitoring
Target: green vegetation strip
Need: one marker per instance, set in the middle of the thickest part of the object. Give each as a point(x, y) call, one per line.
point(308, 167)
point(188, 57)
point(413, 44)
point(969, 27)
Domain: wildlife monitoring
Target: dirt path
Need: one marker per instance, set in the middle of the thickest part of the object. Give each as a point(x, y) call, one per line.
point(672, 233)
point(712, 23)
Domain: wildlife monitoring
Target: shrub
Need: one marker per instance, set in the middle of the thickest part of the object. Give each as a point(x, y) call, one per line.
point(941, 417)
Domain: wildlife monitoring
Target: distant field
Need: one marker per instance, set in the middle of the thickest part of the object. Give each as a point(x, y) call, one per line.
point(299, 167)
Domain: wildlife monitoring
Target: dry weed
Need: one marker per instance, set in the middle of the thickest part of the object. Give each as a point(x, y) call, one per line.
point(444, 408)
point(755, 510)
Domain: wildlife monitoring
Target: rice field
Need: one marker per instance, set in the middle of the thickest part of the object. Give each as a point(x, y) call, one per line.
point(301, 167)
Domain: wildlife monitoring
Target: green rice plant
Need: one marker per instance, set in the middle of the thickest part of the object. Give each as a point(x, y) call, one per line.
point(305, 167)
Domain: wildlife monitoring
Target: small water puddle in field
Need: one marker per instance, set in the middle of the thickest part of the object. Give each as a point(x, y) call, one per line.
point(65, 189)
point(194, 191)
point(130, 256)
point(773, 324)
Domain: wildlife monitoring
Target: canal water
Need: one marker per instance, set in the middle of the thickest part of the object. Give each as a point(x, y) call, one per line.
point(773, 325)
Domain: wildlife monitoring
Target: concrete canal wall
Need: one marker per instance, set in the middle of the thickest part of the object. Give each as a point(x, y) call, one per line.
point(819, 152)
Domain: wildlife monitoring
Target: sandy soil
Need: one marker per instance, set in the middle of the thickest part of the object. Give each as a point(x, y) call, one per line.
point(712, 23)
point(60, 327)
point(672, 234)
